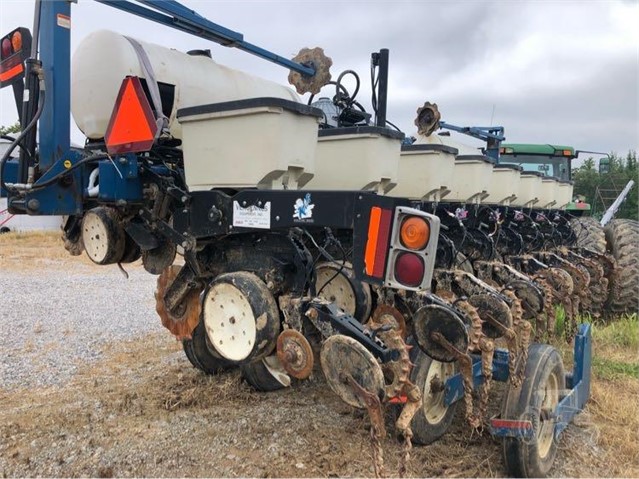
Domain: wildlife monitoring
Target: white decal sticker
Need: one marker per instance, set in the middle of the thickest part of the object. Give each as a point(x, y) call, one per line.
point(303, 208)
point(64, 21)
point(252, 216)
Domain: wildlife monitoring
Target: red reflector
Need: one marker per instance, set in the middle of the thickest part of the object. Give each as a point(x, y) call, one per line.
point(409, 269)
point(132, 126)
point(511, 424)
point(11, 72)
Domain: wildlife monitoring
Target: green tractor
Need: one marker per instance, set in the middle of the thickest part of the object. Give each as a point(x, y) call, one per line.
point(550, 160)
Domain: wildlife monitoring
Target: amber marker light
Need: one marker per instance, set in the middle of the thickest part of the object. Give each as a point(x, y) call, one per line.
point(414, 233)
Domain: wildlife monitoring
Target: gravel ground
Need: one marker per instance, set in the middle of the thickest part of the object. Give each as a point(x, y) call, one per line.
point(82, 310)
point(92, 385)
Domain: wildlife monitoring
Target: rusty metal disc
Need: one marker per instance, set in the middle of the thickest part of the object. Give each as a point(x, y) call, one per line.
point(343, 357)
point(321, 63)
point(295, 354)
point(531, 297)
point(181, 325)
point(492, 307)
point(432, 319)
point(428, 117)
point(387, 314)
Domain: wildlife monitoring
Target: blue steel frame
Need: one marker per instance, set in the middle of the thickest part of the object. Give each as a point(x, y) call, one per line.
point(492, 135)
point(55, 52)
point(578, 382)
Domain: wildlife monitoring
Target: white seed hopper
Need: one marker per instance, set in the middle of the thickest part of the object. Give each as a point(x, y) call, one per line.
point(505, 184)
point(280, 151)
point(358, 158)
point(549, 193)
point(529, 189)
point(426, 170)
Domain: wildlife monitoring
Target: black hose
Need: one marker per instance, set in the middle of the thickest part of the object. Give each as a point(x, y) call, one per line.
point(50, 181)
point(339, 83)
point(19, 138)
point(21, 145)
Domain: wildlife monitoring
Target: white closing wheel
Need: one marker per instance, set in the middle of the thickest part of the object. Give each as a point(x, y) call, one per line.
point(229, 321)
point(103, 236)
point(241, 317)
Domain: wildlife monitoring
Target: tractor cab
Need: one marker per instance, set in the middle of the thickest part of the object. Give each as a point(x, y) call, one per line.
point(549, 160)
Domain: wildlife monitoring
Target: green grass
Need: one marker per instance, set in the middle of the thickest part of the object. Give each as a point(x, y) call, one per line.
point(610, 369)
point(622, 332)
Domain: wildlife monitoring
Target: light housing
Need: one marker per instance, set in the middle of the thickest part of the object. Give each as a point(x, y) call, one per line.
point(15, 48)
point(412, 249)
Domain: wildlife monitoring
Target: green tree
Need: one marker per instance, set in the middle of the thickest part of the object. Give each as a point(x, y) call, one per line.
point(7, 130)
point(600, 189)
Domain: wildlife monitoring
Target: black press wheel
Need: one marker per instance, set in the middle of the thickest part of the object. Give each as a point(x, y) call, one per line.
point(434, 418)
point(536, 402)
point(265, 375)
point(200, 353)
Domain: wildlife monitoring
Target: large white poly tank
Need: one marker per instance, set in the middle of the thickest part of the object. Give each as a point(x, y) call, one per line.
point(105, 58)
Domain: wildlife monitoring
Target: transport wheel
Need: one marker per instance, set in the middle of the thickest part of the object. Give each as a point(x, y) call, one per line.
point(240, 316)
point(339, 285)
point(589, 233)
point(266, 375)
point(536, 401)
point(434, 418)
point(623, 239)
point(201, 354)
point(4, 229)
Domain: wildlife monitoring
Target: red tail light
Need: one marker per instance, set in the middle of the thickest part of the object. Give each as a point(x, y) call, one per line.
point(6, 48)
point(409, 269)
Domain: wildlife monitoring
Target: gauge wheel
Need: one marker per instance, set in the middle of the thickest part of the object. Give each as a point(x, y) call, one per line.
point(536, 401)
point(434, 418)
point(337, 283)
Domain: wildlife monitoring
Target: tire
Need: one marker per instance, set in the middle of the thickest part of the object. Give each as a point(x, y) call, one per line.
point(339, 285)
point(240, 317)
point(263, 375)
point(623, 240)
point(4, 229)
point(542, 388)
point(201, 355)
point(433, 419)
point(589, 233)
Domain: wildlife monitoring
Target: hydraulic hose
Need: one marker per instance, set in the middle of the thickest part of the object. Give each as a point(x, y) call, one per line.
point(22, 134)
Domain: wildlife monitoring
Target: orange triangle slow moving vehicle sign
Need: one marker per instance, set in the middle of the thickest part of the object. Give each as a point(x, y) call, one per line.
point(132, 127)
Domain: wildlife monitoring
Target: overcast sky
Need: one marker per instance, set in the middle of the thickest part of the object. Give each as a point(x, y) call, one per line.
point(549, 71)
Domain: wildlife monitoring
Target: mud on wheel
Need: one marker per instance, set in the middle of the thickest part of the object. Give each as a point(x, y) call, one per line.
point(536, 401)
point(434, 418)
point(623, 239)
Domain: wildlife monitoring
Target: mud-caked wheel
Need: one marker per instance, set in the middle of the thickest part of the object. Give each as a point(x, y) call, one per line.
point(434, 418)
point(266, 375)
point(589, 234)
point(240, 317)
point(200, 353)
point(536, 401)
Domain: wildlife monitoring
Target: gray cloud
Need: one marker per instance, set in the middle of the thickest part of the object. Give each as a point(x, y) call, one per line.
point(563, 72)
